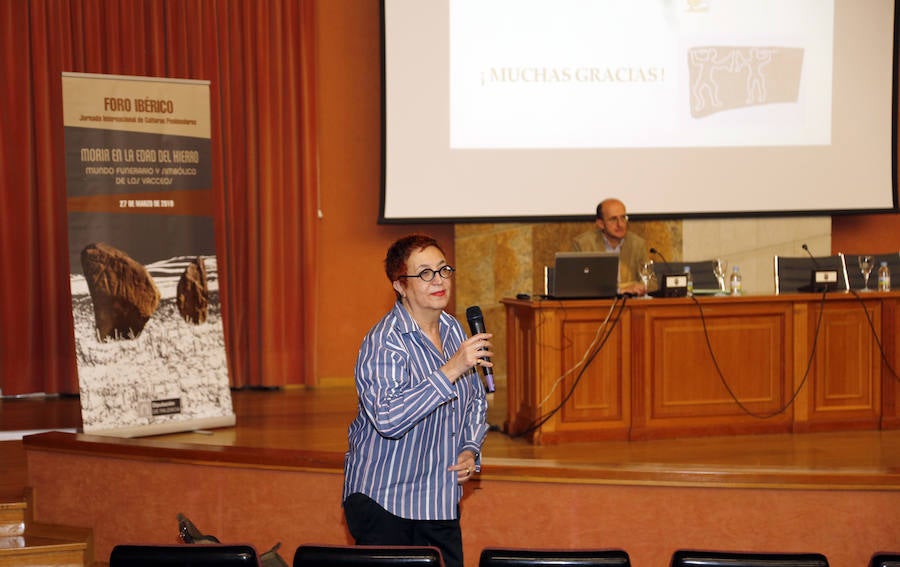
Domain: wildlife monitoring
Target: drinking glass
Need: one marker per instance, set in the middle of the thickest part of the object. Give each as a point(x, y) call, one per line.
point(720, 269)
point(865, 267)
point(646, 273)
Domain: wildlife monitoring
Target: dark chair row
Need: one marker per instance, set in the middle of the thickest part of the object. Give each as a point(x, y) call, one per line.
point(701, 273)
point(856, 277)
point(222, 555)
point(794, 273)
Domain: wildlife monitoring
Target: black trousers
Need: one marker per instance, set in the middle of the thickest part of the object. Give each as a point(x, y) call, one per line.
point(370, 524)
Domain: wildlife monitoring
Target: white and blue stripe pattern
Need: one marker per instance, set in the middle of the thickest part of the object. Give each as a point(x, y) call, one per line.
point(412, 422)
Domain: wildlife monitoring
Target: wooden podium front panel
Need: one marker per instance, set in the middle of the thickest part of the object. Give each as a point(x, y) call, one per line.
point(555, 395)
point(845, 377)
point(521, 375)
point(725, 369)
point(890, 372)
point(592, 370)
point(768, 366)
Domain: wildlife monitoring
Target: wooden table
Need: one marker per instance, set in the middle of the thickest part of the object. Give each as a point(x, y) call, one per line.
point(701, 366)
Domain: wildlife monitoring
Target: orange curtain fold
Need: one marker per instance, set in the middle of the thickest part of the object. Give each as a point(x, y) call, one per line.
point(259, 56)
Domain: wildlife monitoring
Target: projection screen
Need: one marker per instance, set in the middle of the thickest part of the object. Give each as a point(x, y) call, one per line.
point(538, 109)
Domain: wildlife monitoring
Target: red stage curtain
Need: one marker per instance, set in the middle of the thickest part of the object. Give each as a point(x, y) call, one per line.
point(259, 56)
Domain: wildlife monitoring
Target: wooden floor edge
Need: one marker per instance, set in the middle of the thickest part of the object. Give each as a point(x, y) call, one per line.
point(520, 471)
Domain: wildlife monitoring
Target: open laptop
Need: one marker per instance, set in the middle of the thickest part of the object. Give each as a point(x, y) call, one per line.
point(583, 275)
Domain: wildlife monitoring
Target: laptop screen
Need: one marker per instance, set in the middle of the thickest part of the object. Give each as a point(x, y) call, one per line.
point(584, 275)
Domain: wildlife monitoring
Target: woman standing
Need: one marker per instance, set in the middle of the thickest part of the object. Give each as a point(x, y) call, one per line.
point(422, 411)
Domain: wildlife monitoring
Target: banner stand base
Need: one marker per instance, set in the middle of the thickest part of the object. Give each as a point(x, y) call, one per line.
point(169, 427)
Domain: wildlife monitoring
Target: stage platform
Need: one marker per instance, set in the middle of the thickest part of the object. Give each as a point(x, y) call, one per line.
point(276, 476)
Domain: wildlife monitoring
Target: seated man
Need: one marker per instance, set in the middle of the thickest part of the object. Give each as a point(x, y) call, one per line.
point(611, 235)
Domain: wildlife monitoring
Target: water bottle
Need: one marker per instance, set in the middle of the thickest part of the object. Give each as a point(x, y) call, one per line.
point(735, 281)
point(884, 277)
point(689, 280)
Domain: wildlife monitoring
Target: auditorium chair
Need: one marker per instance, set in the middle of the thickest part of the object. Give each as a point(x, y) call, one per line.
point(884, 559)
point(366, 556)
point(701, 273)
point(507, 557)
point(690, 558)
point(856, 278)
point(184, 555)
point(794, 274)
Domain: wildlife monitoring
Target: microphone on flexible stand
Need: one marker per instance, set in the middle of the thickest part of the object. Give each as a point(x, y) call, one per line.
point(805, 247)
point(658, 253)
point(821, 278)
point(665, 262)
point(476, 325)
point(670, 284)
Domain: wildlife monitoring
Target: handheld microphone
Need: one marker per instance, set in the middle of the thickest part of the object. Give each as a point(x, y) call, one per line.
point(476, 325)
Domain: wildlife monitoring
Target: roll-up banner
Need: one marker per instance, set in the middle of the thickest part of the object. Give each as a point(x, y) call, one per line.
point(149, 339)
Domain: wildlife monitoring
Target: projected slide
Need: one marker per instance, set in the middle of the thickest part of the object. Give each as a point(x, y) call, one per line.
point(539, 109)
point(640, 73)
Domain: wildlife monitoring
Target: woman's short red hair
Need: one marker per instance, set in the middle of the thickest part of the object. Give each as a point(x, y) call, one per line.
point(401, 250)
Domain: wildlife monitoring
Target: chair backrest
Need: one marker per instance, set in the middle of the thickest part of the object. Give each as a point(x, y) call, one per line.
point(183, 555)
point(689, 558)
point(366, 555)
point(701, 272)
point(508, 557)
point(855, 276)
point(793, 274)
point(884, 559)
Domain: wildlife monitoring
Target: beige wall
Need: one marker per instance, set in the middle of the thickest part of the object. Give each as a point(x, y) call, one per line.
point(752, 244)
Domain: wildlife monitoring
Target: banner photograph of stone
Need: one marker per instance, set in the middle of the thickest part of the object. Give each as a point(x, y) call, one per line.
point(149, 338)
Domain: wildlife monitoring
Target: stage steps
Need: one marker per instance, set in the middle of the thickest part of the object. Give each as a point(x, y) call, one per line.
point(26, 543)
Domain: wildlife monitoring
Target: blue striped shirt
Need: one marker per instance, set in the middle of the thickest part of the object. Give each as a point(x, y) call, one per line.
point(412, 422)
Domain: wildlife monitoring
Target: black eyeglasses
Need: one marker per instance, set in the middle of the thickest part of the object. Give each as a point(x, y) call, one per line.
point(618, 220)
point(428, 274)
